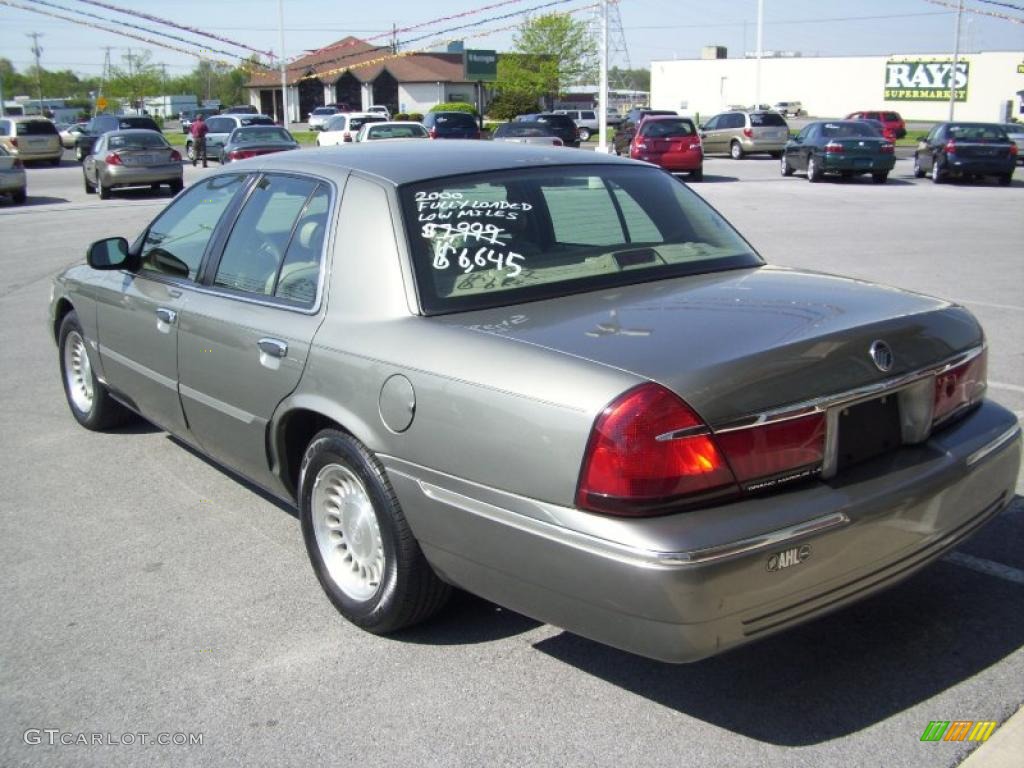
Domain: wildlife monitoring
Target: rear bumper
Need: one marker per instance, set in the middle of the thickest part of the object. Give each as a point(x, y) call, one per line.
point(837, 162)
point(980, 165)
point(12, 181)
point(753, 146)
point(687, 586)
point(675, 161)
point(126, 176)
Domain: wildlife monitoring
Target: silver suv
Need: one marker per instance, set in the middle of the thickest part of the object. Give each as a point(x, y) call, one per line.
point(739, 133)
point(585, 119)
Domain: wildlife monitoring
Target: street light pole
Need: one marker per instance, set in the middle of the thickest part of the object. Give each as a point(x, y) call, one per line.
point(760, 48)
point(284, 69)
point(602, 95)
point(956, 57)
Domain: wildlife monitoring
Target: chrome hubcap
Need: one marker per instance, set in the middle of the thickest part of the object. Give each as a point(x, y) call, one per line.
point(347, 533)
point(78, 372)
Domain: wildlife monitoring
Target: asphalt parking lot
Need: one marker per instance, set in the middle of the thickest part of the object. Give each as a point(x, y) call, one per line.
point(146, 591)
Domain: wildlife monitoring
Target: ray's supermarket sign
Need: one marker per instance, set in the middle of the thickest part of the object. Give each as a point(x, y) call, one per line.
point(925, 80)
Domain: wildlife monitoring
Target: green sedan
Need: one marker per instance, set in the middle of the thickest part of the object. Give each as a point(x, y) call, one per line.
point(843, 147)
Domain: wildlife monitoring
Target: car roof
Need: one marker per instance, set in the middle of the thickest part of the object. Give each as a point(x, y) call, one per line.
point(132, 131)
point(659, 118)
point(398, 164)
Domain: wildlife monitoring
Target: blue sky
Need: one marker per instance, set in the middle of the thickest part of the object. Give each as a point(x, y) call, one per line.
point(653, 29)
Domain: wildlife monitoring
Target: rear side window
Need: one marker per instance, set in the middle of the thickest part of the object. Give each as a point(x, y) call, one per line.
point(892, 116)
point(359, 122)
point(770, 119)
point(36, 128)
point(5, 127)
point(300, 272)
point(505, 237)
point(666, 129)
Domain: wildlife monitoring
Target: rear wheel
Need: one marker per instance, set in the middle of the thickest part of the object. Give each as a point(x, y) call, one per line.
point(90, 402)
point(55, 161)
point(155, 186)
point(584, 134)
point(776, 155)
point(785, 167)
point(190, 152)
point(1005, 179)
point(89, 188)
point(937, 175)
point(176, 186)
point(736, 151)
point(104, 190)
point(879, 178)
point(19, 197)
point(814, 172)
point(358, 540)
point(698, 174)
point(79, 154)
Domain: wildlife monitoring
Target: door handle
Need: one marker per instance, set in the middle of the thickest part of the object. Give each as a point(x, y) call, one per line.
point(273, 347)
point(166, 315)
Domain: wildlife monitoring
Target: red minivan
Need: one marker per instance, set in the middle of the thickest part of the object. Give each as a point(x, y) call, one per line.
point(893, 126)
point(671, 142)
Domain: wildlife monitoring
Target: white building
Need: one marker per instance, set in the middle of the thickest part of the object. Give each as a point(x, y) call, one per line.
point(915, 85)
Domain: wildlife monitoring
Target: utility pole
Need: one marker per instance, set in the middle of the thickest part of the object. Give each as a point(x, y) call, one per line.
point(37, 52)
point(284, 69)
point(602, 89)
point(760, 51)
point(956, 57)
point(394, 37)
point(103, 77)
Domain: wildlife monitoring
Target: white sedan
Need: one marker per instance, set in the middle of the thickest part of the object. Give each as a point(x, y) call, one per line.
point(396, 129)
point(12, 176)
point(342, 129)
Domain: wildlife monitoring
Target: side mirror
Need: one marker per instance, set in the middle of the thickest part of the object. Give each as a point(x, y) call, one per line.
point(111, 253)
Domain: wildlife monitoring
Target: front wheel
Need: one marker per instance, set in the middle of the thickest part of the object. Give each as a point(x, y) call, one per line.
point(918, 170)
point(90, 402)
point(79, 154)
point(190, 152)
point(359, 543)
point(736, 151)
point(785, 167)
point(880, 178)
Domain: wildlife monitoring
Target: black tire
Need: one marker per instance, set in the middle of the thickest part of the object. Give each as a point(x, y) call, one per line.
point(698, 174)
point(89, 188)
point(104, 191)
point(176, 186)
point(79, 154)
point(918, 170)
point(155, 187)
point(56, 161)
point(736, 151)
point(880, 178)
point(190, 152)
point(776, 155)
point(407, 590)
point(785, 167)
point(1005, 179)
point(814, 172)
point(584, 134)
point(937, 175)
point(19, 197)
point(101, 411)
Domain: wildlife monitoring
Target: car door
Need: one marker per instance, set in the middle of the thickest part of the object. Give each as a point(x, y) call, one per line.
point(243, 342)
point(928, 149)
point(89, 161)
point(796, 153)
point(137, 312)
point(709, 135)
point(219, 128)
point(810, 145)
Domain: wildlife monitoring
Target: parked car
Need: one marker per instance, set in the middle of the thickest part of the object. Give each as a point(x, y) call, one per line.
point(343, 128)
point(526, 133)
point(1015, 132)
point(590, 401)
point(788, 108)
point(255, 140)
point(392, 129)
point(451, 125)
point(739, 134)
point(70, 133)
point(319, 117)
point(241, 109)
point(31, 138)
point(563, 126)
point(379, 109)
point(843, 147)
point(966, 150)
point(220, 127)
point(893, 124)
point(12, 177)
point(186, 116)
point(100, 124)
point(671, 142)
point(132, 158)
point(627, 128)
point(613, 117)
point(585, 119)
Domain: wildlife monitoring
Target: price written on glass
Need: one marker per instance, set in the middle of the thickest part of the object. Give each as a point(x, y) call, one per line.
point(449, 246)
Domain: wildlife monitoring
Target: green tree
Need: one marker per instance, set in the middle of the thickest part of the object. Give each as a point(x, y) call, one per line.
point(137, 78)
point(550, 53)
point(630, 79)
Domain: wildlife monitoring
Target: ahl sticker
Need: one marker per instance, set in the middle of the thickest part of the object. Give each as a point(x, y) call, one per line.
point(789, 558)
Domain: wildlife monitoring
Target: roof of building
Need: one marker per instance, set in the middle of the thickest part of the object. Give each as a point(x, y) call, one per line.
point(365, 62)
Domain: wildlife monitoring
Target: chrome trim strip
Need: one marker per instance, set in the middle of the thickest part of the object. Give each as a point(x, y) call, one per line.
point(642, 557)
point(993, 446)
point(866, 392)
point(218, 405)
point(679, 434)
point(149, 373)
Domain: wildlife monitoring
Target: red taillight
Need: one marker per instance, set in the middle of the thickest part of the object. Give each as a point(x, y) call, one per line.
point(960, 387)
point(640, 458)
point(243, 154)
point(114, 159)
point(14, 143)
point(175, 156)
point(1013, 150)
point(887, 149)
point(748, 132)
point(950, 148)
point(774, 449)
point(346, 136)
point(832, 148)
point(432, 133)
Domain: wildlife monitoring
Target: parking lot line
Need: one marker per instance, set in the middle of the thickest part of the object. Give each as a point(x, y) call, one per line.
point(991, 304)
point(988, 567)
point(1007, 387)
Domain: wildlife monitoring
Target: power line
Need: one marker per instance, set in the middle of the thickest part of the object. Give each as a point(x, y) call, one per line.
point(798, 21)
point(1003, 16)
point(1004, 5)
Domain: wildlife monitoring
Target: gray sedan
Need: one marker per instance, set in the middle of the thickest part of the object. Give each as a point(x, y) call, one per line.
point(132, 158)
point(558, 380)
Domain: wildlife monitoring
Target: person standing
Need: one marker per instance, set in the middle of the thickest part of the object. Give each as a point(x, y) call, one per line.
point(198, 130)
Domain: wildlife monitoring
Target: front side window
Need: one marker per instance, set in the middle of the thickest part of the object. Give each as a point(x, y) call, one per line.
point(512, 236)
point(262, 235)
point(176, 241)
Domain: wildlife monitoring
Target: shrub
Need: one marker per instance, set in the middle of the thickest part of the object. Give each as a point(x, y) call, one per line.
point(416, 116)
point(400, 116)
point(454, 106)
point(510, 104)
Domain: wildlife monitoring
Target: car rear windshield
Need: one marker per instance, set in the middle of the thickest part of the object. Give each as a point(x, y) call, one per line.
point(850, 129)
point(396, 132)
point(459, 120)
point(137, 122)
point(667, 129)
point(505, 237)
point(259, 133)
point(324, 111)
point(137, 141)
point(977, 133)
point(892, 117)
point(767, 118)
point(358, 122)
point(36, 128)
point(256, 120)
point(519, 130)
